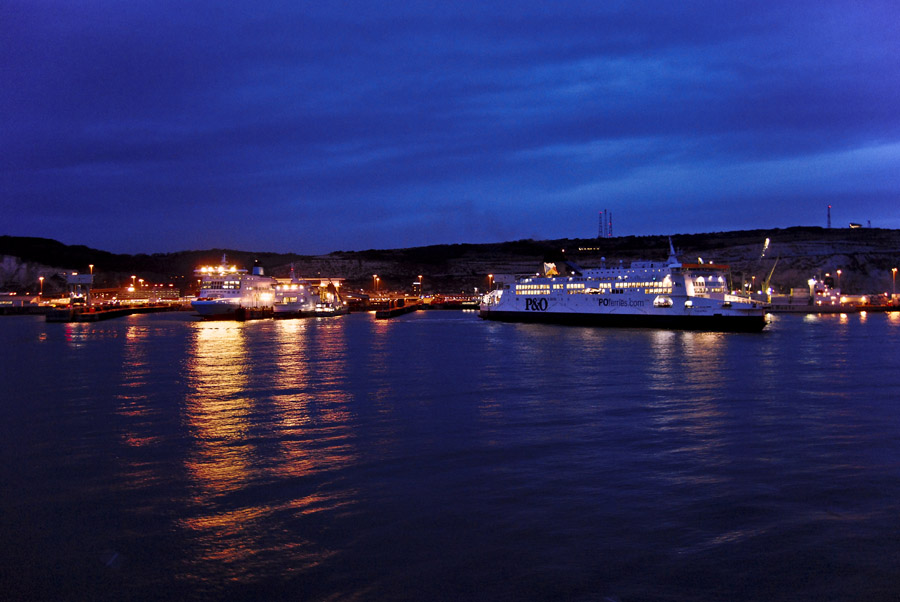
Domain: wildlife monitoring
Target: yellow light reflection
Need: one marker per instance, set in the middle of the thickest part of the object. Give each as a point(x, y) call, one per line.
point(311, 420)
point(217, 410)
point(217, 413)
point(251, 430)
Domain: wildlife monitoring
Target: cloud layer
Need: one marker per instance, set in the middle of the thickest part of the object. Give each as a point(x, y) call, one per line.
point(314, 127)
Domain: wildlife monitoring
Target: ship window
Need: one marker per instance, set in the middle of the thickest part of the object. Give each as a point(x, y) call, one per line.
point(532, 289)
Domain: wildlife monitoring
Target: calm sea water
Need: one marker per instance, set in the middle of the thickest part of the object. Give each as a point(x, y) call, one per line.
point(439, 457)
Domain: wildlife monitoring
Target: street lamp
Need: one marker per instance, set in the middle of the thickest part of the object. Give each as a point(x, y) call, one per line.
point(420, 284)
point(839, 279)
point(91, 268)
point(132, 280)
point(490, 282)
point(375, 282)
point(893, 282)
point(41, 280)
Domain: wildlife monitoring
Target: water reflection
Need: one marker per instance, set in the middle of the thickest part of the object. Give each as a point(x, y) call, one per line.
point(131, 399)
point(688, 361)
point(217, 410)
point(688, 376)
point(310, 415)
point(217, 414)
point(377, 367)
point(77, 334)
point(263, 439)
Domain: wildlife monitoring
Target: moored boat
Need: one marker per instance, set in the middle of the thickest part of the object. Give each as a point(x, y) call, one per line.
point(230, 293)
point(671, 294)
point(308, 297)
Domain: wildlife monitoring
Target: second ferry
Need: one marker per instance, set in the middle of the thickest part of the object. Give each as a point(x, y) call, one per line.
point(309, 297)
point(671, 294)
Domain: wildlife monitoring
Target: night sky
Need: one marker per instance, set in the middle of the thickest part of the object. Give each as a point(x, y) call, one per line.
point(320, 126)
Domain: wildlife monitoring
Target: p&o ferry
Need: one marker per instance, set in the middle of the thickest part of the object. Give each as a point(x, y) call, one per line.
point(671, 294)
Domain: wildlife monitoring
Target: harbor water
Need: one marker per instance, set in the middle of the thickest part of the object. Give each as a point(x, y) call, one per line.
point(436, 456)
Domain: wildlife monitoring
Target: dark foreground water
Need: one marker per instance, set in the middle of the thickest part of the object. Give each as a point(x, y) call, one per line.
point(439, 457)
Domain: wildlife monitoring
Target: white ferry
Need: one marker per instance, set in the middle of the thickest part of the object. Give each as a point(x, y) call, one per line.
point(690, 296)
point(308, 297)
point(229, 293)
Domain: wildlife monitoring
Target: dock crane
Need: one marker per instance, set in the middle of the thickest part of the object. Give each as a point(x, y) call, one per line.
point(765, 285)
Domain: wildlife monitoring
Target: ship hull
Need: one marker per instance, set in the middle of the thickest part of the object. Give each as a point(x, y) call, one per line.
point(282, 312)
point(710, 323)
point(218, 310)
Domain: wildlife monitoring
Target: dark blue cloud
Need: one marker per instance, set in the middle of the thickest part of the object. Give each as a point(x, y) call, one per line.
point(320, 126)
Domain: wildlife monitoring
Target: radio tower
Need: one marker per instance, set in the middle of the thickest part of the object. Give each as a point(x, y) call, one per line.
point(829, 217)
point(600, 229)
point(609, 230)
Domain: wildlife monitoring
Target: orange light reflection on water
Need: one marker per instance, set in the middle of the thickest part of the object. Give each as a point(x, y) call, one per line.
point(216, 409)
point(217, 412)
point(312, 422)
point(251, 431)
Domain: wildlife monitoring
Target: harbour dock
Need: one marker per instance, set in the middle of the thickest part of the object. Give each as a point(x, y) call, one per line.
point(96, 314)
point(398, 306)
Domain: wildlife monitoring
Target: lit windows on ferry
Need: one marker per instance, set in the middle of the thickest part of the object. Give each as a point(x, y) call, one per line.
point(222, 285)
point(654, 287)
point(615, 287)
point(528, 288)
point(711, 284)
point(532, 289)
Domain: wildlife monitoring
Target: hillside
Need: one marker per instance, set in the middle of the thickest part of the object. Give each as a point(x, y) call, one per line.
point(864, 256)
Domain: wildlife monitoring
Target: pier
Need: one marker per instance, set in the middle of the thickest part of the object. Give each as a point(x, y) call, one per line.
point(397, 307)
point(96, 314)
